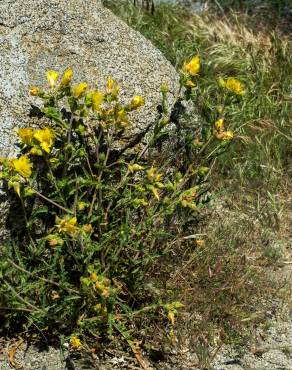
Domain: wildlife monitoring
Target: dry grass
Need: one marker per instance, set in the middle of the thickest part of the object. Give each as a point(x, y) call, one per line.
point(230, 30)
point(228, 274)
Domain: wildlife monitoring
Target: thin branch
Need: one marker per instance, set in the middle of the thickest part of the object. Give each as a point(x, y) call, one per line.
point(40, 278)
point(22, 299)
point(52, 202)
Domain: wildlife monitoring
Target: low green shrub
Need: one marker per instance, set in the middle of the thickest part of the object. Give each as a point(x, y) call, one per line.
point(97, 214)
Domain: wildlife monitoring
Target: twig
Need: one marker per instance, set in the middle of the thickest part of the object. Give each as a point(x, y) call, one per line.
point(52, 202)
point(68, 143)
point(40, 278)
point(22, 299)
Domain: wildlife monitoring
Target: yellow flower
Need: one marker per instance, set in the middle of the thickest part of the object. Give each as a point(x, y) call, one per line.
point(93, 277)
point(193, 67)
point(137, 102)
point(79, 90)
point(67, 225)
point(52, 77)
point(26, 135)
point(190, 84)
point(81, 205)
point(75, 342)
point(97, 99)
point(115, 90)
point(53, 242)
point(45, 137)
point(87, 228)
point(219, 125)
point(233, 85)
point(227, 135)
point(103, 290)
point(23, 166)
point(34, 91)
point(67, 77)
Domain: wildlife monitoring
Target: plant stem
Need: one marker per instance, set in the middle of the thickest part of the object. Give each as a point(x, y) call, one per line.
point(52, 202)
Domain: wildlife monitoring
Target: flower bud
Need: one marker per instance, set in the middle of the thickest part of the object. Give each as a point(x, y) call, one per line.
point(52, 77)
point(137, 102)
point(67, 77)
point(34, 91)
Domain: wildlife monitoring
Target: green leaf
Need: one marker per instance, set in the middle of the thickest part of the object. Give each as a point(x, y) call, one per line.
point(53, 114)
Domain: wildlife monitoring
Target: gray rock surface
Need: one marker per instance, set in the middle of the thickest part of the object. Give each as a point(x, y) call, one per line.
point(271, 349)
point(54, 34)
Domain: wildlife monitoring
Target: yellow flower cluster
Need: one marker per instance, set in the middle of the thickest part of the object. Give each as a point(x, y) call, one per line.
point(26, 135)
point(101, 283)
point(95, 98)
point(220, 132)
point(67, 225)
point(38, 139)
point(53, 76)
point(233, 85)
point(190, 84)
